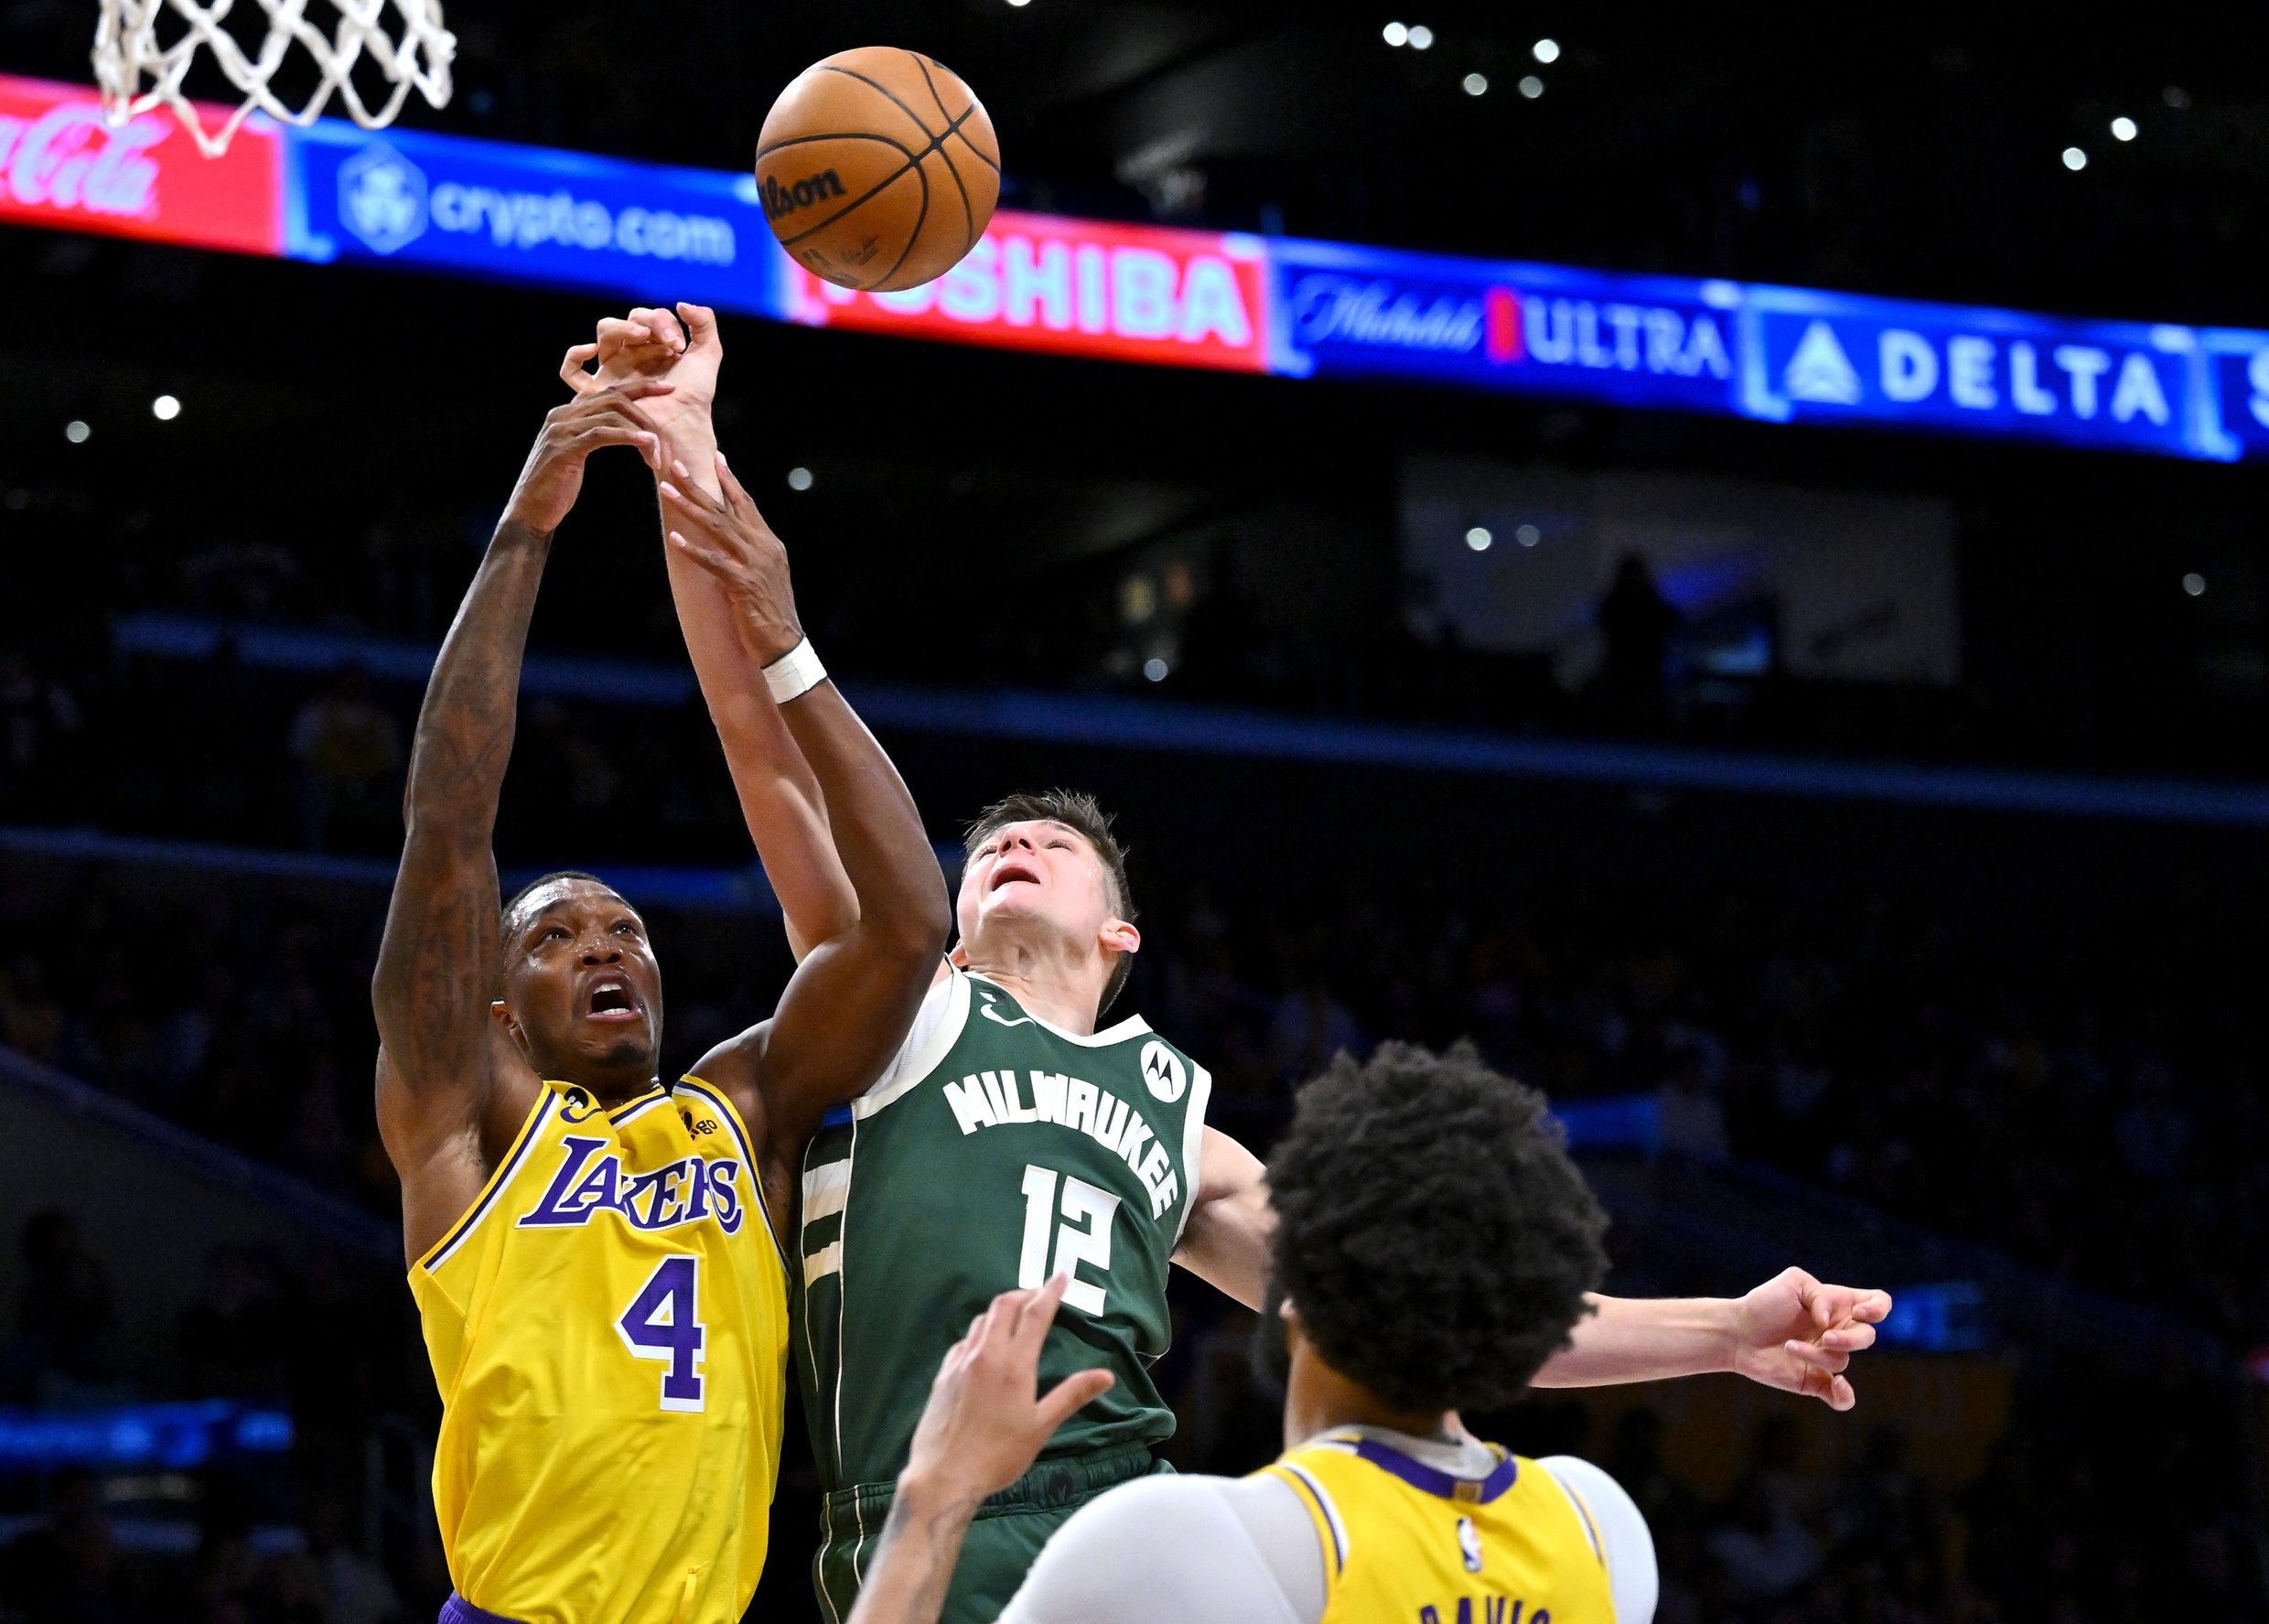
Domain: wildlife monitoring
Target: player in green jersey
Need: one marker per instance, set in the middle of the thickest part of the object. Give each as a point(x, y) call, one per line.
point(1010, 1139)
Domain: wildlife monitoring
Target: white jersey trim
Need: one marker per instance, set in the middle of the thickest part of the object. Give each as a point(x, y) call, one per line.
point(937, 1027)
point(1193, 1143)
point(1133, 1026)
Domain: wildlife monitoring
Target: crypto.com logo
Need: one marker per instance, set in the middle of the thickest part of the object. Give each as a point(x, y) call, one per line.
point(381, 199)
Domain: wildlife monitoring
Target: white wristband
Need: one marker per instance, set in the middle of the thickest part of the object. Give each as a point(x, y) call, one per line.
point(795, 672)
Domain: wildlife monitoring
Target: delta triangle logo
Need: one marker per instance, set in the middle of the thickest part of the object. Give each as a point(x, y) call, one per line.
point(1820, 371)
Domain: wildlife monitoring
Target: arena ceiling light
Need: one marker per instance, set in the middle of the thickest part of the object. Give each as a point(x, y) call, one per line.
point(2125, 129)
point(2194, 584)
point(76, 432)
point(1531, 87)
point(1477, 84)
point(1547, 51)
point(2075, 159)
point(1421, 37)
point(1479, 539)
point(799, 479)
point(1395, 34)
point(165, 408)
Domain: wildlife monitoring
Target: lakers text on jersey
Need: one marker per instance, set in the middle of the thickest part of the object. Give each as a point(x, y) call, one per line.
point(998, 1150)
point(1404, 1541)
point(608, 1326)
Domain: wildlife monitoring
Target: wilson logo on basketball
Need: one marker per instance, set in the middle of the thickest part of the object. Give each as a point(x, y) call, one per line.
point(786, 200)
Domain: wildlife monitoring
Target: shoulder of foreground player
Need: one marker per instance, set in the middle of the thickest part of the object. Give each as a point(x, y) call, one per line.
point(1168, 1546)
point(1617, 1530)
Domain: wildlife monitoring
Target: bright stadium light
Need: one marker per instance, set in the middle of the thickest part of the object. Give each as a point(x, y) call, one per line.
point(1421, 37)
point(1479, 539)
point(2124, 129)
point(1477, 84)
point(2194, 584)
point(165, 408)
point(2074, 160)
point(76, 432)
point(1528, 535)
point(1154, 668)
point(1547, 51)
point(1395, 34)
point(799, 479)
point(1531, 87)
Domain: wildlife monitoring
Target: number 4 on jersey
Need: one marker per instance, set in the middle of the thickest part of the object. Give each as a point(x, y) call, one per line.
point(664, 1322)
point(1088, 1242)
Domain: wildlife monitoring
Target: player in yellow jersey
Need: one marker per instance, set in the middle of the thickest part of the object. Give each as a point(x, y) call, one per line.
point(1434, 1247)
point(596, 1255)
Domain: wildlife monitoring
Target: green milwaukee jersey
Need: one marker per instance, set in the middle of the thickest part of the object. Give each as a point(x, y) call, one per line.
point(997, 1150)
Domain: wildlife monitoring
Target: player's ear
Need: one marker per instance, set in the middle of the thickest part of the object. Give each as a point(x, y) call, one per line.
point(1120, 937)
point(958, 954)
point(500, 1013)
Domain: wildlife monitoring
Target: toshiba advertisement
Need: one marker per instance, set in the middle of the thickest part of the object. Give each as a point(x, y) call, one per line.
point(1077, 287)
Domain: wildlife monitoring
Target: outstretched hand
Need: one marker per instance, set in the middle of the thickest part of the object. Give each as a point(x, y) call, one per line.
point(984, 1426)
point(551, 478)
point(726, 537)
point(681, 347)
point(1798, 1335)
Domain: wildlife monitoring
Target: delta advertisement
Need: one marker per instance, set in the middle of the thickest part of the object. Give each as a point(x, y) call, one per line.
point(455, 206)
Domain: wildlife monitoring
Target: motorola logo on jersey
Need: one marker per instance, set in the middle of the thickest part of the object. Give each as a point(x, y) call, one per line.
point(1163, 1072)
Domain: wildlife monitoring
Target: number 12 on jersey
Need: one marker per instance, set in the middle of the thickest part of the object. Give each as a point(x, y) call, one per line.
point(1084, 1238)
point(664, 1322)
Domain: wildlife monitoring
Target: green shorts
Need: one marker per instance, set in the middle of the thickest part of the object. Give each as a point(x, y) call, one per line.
point(1001, 1543)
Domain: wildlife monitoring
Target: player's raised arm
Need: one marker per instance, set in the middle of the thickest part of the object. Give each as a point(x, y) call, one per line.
point(850, 1003)
point(440, 1054)
point(1793, 1332)
point(779, 796)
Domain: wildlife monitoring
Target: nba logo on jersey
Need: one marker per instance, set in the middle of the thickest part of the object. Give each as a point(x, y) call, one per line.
point(1469, 1545)
point(1164, 1071)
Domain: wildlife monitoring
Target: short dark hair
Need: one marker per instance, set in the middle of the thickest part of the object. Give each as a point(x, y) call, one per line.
point(1431, 1231)
point(512, 903)
point(1077, 811)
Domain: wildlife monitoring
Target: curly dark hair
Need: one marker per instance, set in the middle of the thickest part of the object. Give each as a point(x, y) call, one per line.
point(1432, 1232)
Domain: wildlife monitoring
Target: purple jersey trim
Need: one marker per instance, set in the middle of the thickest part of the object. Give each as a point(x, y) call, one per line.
point(458, 1610)
point(1440, 1484)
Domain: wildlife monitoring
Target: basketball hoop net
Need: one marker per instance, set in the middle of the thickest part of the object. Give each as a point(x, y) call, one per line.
point(127, 54)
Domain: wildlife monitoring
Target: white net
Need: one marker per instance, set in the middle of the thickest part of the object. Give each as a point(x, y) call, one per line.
point(138, 73)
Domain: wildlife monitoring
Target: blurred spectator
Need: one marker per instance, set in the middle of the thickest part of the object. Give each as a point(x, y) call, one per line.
point(348, 749)
point(351, 1588)
point(63, 1572)
point(1637, 623)
point(63, 1324)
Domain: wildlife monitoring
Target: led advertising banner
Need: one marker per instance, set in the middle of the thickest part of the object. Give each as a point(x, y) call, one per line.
point(529, 214)
point(1148, 294)
point(1533, 329)
point(64, 168)
point(1077, 287)
point(1827, 357)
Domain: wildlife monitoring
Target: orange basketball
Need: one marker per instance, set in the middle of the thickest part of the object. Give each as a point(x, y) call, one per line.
point(877, 168)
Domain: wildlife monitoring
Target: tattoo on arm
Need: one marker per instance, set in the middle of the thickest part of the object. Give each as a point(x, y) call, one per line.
point(438, 963)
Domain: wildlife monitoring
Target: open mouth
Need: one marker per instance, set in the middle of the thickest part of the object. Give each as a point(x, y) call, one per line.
point(1008, 872)
point(612, 998)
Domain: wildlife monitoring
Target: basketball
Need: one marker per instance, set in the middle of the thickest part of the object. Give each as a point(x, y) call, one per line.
point(877, 168)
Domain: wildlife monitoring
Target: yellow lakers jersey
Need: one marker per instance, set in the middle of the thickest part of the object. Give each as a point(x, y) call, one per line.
point(609, 1326)
point(1405, 1541)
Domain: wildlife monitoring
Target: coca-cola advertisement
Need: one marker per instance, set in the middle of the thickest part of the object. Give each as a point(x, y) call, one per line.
point(61, 165)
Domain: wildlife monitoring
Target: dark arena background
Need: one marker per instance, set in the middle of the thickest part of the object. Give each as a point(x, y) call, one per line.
point(1836, 770)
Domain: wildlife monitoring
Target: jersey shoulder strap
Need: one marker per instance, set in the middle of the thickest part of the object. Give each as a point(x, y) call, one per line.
point(937, 1029)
